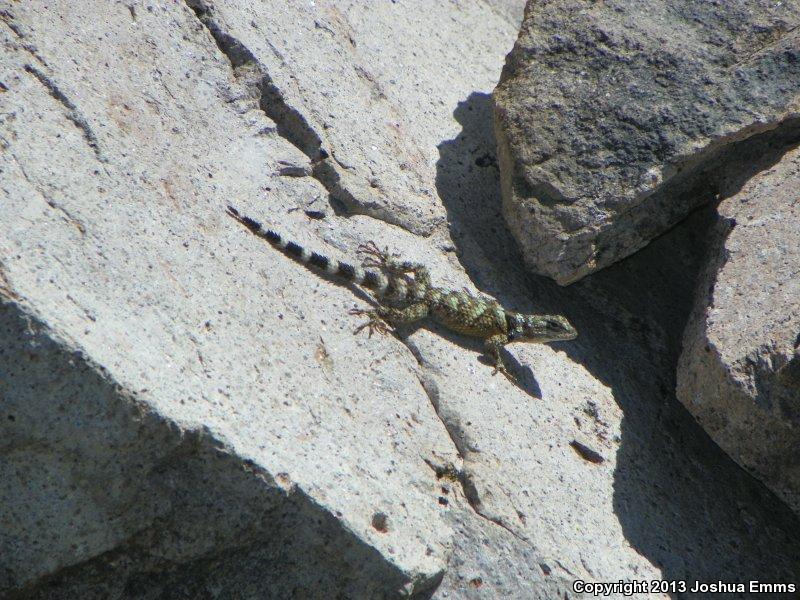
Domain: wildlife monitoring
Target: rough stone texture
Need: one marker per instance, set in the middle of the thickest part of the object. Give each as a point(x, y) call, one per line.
point(367, 113)
point(185, 412)
point(614, 122)
point(115, 242)
point(739, 373)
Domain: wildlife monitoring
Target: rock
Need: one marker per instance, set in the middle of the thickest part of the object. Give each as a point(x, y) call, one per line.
point(739, 373)
point(173, 402)
point(367, 119)
point(184, 412)
point(613, 123)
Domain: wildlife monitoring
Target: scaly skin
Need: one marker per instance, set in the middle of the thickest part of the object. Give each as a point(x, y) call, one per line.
point(404, 295)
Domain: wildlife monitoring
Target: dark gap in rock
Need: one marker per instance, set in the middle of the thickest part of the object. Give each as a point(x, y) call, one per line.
point(72, 112)
point(291, 124)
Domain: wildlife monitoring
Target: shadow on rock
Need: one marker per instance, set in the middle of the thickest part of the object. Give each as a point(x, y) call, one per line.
point(134, 506)
point(525, 378)
point(681, 502)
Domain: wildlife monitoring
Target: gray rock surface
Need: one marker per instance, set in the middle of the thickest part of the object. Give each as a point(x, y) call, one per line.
point(614, 122)
point(739, 373)
point(185, 412)
point(367, 113)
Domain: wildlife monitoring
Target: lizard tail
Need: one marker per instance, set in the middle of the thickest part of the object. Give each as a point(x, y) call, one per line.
point(372, 280)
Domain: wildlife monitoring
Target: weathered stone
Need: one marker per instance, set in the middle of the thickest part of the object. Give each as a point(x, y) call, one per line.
point(366, 113)
point(613, 121)
point(739, 374)
point(184, 412)
point(163, 387)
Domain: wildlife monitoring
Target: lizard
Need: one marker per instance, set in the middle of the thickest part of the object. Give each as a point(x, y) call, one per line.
point(403, 294)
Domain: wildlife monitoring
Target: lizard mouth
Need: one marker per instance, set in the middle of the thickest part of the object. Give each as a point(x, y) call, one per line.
point(564, 337)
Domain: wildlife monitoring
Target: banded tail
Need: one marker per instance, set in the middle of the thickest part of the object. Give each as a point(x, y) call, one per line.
point(373, 280)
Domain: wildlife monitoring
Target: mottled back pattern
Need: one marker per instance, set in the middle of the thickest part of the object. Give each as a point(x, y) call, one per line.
point(464, 313)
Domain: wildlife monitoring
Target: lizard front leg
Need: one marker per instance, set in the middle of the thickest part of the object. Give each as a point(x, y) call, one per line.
point(381, 317)
point(494, 344)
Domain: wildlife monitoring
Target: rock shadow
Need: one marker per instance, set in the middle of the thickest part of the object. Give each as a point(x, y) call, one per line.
point(524, 375)
point(103, 498)
point(681, 502)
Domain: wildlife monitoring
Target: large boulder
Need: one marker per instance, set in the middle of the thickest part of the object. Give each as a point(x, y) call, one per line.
point(614, 122)
point(184, 411)
point(739, 373)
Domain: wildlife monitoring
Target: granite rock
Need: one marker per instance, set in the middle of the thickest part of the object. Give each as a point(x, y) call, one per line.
point(739, 373)
point(184, 412)
point(614, 122)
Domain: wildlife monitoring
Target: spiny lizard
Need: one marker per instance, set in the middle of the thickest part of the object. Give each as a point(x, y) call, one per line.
point(402, 299)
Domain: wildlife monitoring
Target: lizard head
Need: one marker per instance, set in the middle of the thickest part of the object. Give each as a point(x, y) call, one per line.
point(539, 328)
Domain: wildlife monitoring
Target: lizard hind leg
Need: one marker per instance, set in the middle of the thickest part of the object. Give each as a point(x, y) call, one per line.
point(382, 319)
point(376, 258)
point(391, 264)
point(375, 322)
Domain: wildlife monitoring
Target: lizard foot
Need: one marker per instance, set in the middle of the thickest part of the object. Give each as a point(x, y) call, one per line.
point(376, 258)
point(375, 323)
point(501, 368)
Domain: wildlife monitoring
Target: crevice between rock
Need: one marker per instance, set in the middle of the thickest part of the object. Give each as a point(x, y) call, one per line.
point(291, 124)
point(468, 487)
point(7, 18)
point(470, 493)
point(474, 501)
point(72, 112)
point(66, 214)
